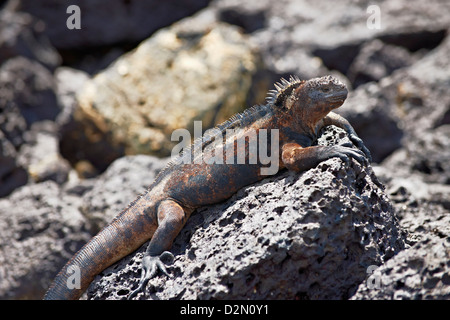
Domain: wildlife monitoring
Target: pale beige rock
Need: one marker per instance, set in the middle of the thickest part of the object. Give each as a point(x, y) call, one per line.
point(167, 82)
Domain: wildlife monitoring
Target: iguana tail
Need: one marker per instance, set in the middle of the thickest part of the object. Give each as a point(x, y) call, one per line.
point(126, 233)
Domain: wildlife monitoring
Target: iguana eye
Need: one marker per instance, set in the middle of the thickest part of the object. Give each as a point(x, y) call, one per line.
point(325, 90)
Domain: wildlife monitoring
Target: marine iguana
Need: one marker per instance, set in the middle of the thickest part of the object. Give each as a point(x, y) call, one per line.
point(297, 110)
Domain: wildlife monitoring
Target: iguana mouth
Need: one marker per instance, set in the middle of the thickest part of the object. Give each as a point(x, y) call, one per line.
point(337, 96)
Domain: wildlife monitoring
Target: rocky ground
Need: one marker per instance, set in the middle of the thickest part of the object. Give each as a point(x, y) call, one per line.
point(86, 118)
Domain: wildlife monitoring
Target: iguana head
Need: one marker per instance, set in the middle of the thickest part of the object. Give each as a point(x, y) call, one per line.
point(328, 92)
point(309, 100)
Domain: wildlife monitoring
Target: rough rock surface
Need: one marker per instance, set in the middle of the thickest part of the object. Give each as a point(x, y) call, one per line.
point(39, 231)
point(304, 236)
point(27, 97)
point(420, 272)
point(423, 208)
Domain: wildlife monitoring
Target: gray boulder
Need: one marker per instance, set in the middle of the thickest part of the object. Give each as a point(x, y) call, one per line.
point(23, 35)
point(27, 98)
point(40, 229)
point(40, 154)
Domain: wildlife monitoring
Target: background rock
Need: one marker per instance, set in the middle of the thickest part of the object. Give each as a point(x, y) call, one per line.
point(12, 175)
point(293, 30)
point(22, 35)
point(407, 109)
point(40, 154)
point(27, 97)
point(126, 20)
point(421, 272)
point(39, 232)
point(377, 60)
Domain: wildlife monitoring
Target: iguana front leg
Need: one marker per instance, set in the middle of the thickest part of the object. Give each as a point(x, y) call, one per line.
point(171, 219)
point(335, 119)
point(297, 158)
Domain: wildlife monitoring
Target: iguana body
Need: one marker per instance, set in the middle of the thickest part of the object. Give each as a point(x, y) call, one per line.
point(298, 109)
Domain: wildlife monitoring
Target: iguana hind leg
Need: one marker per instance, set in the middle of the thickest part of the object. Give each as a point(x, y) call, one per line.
point(171, 219)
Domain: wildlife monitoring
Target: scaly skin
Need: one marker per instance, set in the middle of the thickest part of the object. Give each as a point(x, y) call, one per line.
point(298, 109)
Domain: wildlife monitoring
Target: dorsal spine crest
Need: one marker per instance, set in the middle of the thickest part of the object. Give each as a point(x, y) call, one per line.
point(283, 90)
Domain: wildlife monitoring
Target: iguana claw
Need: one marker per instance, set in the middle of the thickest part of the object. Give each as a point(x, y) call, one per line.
point(150, 267)
point(345, 153)
point(360, 145)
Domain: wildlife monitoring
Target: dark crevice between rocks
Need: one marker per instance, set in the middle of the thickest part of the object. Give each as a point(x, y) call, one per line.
point(248, 21)
point(415, 41)
point(94, 59)
point(86, 155)
point(445, 119)
point(338, 58)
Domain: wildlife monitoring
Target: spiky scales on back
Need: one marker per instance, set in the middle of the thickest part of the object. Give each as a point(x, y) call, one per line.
point(283, 89)
point(213, 136)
